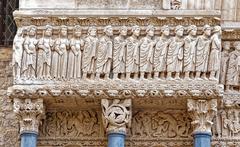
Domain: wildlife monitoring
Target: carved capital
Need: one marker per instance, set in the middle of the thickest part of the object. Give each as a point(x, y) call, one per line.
point(29, 113)
point(202, 113)
point(116, 115)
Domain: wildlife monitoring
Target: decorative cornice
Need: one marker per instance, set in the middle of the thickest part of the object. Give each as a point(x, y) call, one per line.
point(202, 113)
point(29, 113)
point(116, 115)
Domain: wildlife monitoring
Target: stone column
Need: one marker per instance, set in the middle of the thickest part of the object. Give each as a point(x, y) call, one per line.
point(116, 115)
point(30, 113)
point(202, 113)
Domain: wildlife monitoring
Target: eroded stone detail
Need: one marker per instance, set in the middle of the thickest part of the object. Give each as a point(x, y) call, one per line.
point(116, 115)
point(29, 113)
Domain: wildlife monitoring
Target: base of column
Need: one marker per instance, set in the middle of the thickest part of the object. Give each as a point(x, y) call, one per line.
point(29, 140)
point(202, 139)
point(116, 139)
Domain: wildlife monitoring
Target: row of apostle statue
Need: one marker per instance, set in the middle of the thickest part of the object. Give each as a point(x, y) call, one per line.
point(171, 57)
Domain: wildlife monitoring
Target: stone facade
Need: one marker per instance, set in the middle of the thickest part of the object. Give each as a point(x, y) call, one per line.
point(158, 72)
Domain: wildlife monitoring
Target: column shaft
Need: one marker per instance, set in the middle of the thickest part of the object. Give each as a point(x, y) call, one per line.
point(29, 140)
point(116, 140)
point(202, 139)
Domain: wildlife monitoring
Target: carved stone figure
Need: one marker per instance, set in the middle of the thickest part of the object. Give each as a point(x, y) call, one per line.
point(176, 4)
point(116, 115)
point(29, 54)
point(190, 46)
point(132, 55)
point(233, 72)
point(142, 124)
point(75, 54)
point(215, 56)
point(89, 53)
point(104, 54)
point(146, 53)
point(60, 56)
point(45, 45)
point(17, 53)
point(119, 54)
point(175, 54)
point(160, 53)
point(202, 54)
point(224, 61)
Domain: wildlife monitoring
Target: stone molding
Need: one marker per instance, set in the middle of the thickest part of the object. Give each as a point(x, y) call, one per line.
point(116, 115)
point(202, 113)
point(29, 113)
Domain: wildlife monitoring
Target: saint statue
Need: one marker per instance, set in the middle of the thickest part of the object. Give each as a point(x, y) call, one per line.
point(146, 53)
point(119, 53)
point(89, 53)
point(233, 72)
point(132, 55)
point(224, 61)
point(202, 53)
point(17, 53)
point(29, 54)
point(215, 54)
point(104, 54)
point(160, 53)
point(45, 45)
point(60, 56)
point(175, 54)
point(190, 47)
point(75, 54)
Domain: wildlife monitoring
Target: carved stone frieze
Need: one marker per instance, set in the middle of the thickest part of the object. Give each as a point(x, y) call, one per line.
point(116, 115)
point(202, 113)
point(29, 113)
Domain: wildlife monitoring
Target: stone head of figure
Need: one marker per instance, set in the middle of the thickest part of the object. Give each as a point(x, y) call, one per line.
point(108, 30)
point(217, 29)
point(192, 30)
point(63, 30)
point(32, 30)
point(150, 30)
point(77, 31)
point(207, 30)
point(237, 45)
point(48, 31)
point(123, 31)
point(179, 30)
point(92, 31)
point(226, 45)
point(20, 32)
point(136, 30)
point(165, 30)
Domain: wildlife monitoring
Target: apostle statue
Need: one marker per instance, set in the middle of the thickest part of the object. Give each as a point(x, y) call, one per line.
point(190, 47)
point(17, 53)
point(202, 53)
point(224, 61)
point(132, 55)
point(175, 54)
point(146, 53)
point(45, 45)
point(104, 53)
point(119, 53)
point(233, 72)
point(29, 54)
point(61, 58)
point(75, 54)
point(160, 53)
point(215, 54)
point(89, 53)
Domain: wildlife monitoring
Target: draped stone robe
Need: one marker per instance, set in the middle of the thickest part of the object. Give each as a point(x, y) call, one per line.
point(29, 54)
point(233, 71)
point(146, 54)
point(104, 54)
point(89, 54)
point(17, 50)
point(160, 54)
point(224, 66)
point(132, 55)
point(119, 55)
point(175, 55)
point(215, 57)
point(202, 54)
point(189, 58)
point(75, 58)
